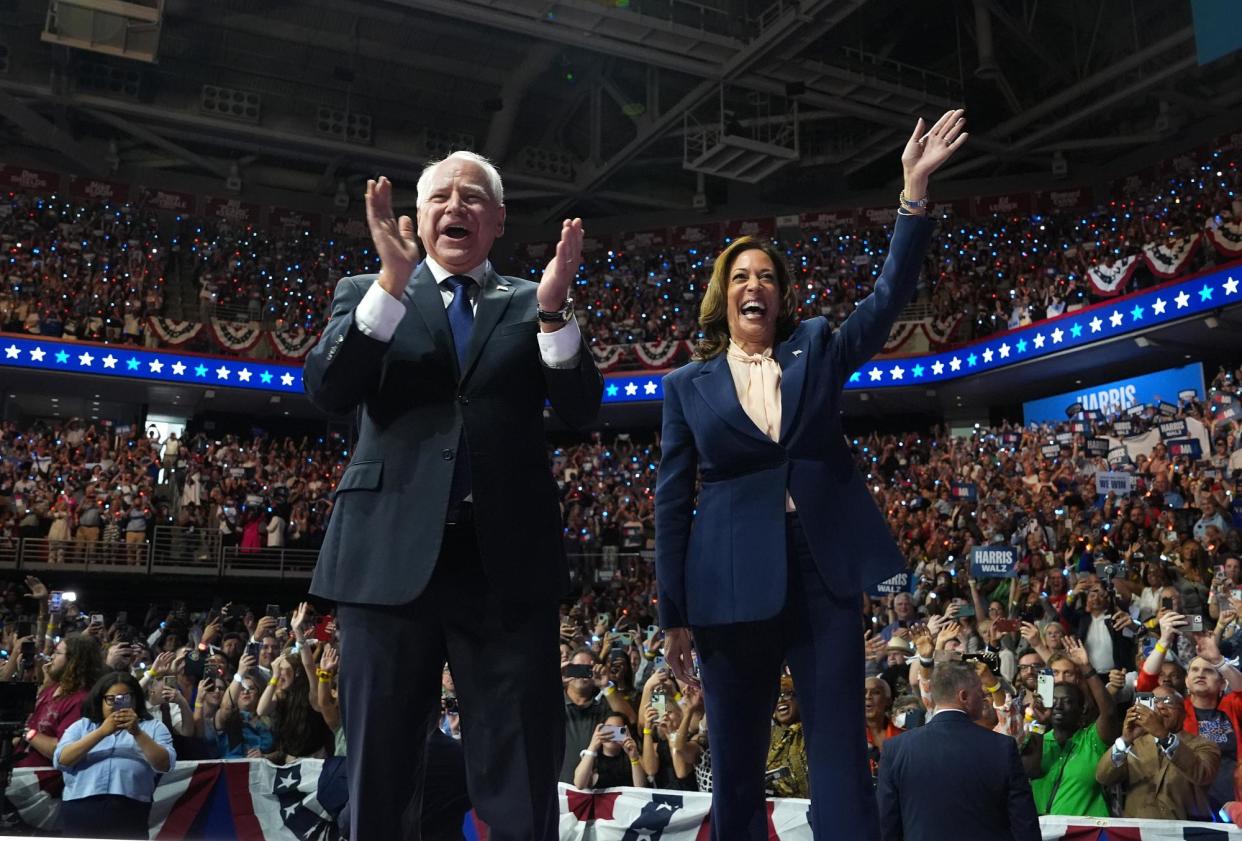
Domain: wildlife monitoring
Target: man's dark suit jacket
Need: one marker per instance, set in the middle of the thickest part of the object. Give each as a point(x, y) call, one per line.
point(951, 779)
point(384, 535)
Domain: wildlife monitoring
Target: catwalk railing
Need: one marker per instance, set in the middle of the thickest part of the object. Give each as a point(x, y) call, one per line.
point(172, 550)
point(175, 550)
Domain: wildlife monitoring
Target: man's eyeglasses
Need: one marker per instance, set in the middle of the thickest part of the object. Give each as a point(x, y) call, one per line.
point(113, 700)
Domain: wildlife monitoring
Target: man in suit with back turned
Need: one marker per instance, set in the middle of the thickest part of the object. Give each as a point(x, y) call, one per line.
point(445, 539)
point(952, 778)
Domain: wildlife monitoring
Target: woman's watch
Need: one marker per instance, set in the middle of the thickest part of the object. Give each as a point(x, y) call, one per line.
point(560, 316)
point(29, 735)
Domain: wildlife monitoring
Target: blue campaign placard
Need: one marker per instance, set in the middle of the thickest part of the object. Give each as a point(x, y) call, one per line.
point(993, 561)
point(899, 583)
point(1120, 395)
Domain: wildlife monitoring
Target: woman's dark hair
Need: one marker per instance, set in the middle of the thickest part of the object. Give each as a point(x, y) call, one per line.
point(297, 729)
point(714, 311)
point(92, 707)
point(83, 663)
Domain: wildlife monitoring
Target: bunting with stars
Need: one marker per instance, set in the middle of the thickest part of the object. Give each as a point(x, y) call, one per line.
point(57, 356)
point(1111, 279)
point(1169, 259)
point(293, 343)
point(1226, 238)
point(172, 332)
point(238, 337)
point(218, 799)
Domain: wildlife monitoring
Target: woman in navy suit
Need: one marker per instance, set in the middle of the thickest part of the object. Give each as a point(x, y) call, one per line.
point(767, 564)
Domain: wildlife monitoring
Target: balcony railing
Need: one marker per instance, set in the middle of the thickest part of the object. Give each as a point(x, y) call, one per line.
point(173, 550)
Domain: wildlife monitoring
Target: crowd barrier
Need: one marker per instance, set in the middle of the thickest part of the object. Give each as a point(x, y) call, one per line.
point(252, 800)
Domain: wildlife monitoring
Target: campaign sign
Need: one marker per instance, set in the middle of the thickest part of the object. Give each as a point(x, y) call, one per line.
point(1080, 427)
point(1187, 395)
point(1136, 411)
point(1073, 409)
point(1112, 481)
point(1092, 414)
point(1123, 427)
point(1225, 407)
point(1118, 455)
point(1168, 409)
point(1173, 429)
point(899, 583)
point(1185, 448)
point(1098, 446)
point(1117, 396)
point(993, 561)
point(1050, 450)
point(965, 490)
point(1065, 437)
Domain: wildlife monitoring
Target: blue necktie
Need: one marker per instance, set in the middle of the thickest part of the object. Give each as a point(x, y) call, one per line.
point(461, 323)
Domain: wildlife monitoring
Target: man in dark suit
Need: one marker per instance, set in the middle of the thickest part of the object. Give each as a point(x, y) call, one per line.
point(445, 538)
point(952, 778)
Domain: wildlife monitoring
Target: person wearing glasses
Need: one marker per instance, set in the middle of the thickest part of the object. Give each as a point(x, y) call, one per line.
point(110, 758)
point(1166, 772)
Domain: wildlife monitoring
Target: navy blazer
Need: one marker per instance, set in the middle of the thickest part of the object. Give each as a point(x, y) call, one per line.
point(953, 779)
point(412, 402)
point(721, 559)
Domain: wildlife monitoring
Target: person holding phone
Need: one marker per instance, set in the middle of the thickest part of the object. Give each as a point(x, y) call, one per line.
point(589, 699)
point(110, 759)
point(611, 758)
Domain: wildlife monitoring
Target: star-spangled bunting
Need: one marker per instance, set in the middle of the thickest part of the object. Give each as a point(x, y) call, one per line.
point(102, 361)
point(1135, 312)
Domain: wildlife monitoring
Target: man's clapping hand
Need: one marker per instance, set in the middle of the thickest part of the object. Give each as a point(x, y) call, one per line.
point(394, 239)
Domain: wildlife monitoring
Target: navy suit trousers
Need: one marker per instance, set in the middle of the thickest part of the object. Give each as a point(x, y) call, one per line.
point(820, 635)
point(506, 668)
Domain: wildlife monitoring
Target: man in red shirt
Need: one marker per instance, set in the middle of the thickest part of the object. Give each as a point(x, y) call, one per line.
point(75, 666)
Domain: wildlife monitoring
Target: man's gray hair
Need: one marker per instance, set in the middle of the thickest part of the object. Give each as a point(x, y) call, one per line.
point(494, 185)
point(951, 677)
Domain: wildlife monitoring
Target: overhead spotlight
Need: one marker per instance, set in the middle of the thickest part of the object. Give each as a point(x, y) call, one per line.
point(234, 182)
point(341, 199)
point(1142, 341)
point(1211, 322)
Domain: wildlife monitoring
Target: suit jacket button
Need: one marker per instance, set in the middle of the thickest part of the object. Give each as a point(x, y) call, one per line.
point(447, 454)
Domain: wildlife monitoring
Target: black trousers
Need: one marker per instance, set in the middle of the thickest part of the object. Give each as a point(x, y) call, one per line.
point(105, 816)
point(820, 635)
point(506, 668)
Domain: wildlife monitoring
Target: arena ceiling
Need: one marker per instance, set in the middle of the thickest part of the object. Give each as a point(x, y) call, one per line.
point(593, 107)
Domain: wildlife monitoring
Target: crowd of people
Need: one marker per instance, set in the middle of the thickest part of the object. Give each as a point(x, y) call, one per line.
point(995, 272)
point(1107, 656)
point(97, 495)
point(88, 270)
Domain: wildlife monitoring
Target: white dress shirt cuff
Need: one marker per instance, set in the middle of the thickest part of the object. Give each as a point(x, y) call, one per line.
point(559, 348)
point(378, 314)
